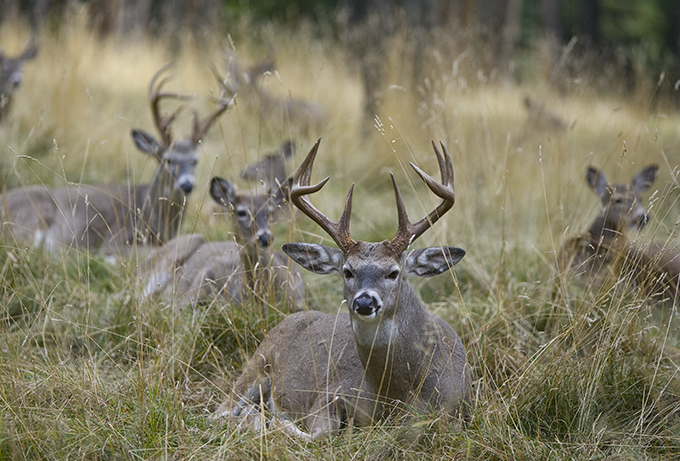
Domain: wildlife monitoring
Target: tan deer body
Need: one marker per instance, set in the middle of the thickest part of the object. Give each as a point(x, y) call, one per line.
point(11, 75)
point(271, 169)
point(605, 250)
point(192, 271)
point(388, 355)
point(114, 216)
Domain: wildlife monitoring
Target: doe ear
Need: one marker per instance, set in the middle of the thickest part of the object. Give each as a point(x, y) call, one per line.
point(428, 262)
point(597, 181)
point(644, 178)
point(222, 191)
point(146, 143)
point(316, 258)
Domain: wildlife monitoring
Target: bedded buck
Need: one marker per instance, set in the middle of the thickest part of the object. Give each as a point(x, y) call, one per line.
point(606, 252)
point(114, 217)
point(387, 355)
point(11, 75)
point(191, 271)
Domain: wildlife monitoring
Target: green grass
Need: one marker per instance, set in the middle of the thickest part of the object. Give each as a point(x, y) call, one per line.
point(89, 370)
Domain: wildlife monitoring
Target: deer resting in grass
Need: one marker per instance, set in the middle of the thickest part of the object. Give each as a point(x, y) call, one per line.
point(606, 251)
point(116, 217)
point(11, 75)
point(192, 271)
point(271, 169)
point(385, 356)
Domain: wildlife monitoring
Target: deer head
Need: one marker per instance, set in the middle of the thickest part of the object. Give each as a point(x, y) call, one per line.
point(251, 214)
point(178, 158)
point(373, 272)
point(11, 74)
point(622, 206)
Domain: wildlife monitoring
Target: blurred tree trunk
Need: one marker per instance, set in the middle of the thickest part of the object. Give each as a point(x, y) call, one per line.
point(9, 10)
point(591, 20)
point(550, 22)
point(104, 16)
point(501, 19)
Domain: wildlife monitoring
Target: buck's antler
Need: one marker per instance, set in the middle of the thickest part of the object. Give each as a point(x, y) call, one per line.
point(201, 128)
point(338, 231)
point(155, 96)
point(408, 231)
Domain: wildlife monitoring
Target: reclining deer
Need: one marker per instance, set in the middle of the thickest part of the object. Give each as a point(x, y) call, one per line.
point(189, 270)
point(606, 250)
point(386, 355)
point(115, 217)
point(11, 75)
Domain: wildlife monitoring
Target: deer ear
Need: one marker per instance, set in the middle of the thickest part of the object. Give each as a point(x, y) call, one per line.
point(432, 261)
point(222, 191)
point(146, 143)
point(597, 181)
point(316, 258)
point(644, 178)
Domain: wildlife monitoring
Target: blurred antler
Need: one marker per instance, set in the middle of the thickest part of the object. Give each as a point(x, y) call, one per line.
point(155, 96)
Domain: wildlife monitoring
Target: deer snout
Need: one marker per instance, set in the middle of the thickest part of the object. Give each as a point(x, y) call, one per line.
point(186, 183)
point(264, 238)
point(641, 220)
point(365, 304)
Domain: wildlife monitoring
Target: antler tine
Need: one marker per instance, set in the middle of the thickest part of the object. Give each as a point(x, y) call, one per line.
point(408, 231)
point(201, 128)
point(339, 231)
point(155, 96)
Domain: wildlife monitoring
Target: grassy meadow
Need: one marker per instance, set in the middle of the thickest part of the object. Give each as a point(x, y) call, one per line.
point(89, 370)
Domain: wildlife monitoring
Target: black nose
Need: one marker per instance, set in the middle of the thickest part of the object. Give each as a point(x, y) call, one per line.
point(186, 187)
point(365, 304)
point(642, 220)
point(265, 239)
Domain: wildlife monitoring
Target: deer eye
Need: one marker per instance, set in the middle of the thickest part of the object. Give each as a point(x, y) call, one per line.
point(348, 274)
point(241, 213)
point(392, 275)
point(194, 162)
point(618, 200)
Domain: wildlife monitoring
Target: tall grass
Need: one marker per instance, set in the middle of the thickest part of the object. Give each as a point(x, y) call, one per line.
point(90, 370)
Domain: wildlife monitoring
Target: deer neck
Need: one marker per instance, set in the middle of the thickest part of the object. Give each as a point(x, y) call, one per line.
point(162, 209)
point(390, 347)
point(606, 233)
point(254, 260)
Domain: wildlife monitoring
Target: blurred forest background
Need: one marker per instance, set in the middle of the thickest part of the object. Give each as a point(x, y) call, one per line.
point(639, 40)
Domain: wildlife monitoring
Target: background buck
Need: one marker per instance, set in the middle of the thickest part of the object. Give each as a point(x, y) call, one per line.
point(11, 75)
point(191, 271)
point(386, 355)
point(598, 253)
point(271, 169)
point(116, 216)
point(278, 110)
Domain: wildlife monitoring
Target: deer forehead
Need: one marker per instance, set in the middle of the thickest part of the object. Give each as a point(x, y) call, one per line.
point(373, 256)
point(181, 151)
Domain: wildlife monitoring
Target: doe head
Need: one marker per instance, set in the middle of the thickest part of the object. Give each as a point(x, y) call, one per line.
point(251, 214)
point(622, 205)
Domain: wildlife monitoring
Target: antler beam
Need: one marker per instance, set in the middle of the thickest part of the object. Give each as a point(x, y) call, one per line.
point(407, 231)
point(338, 231)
